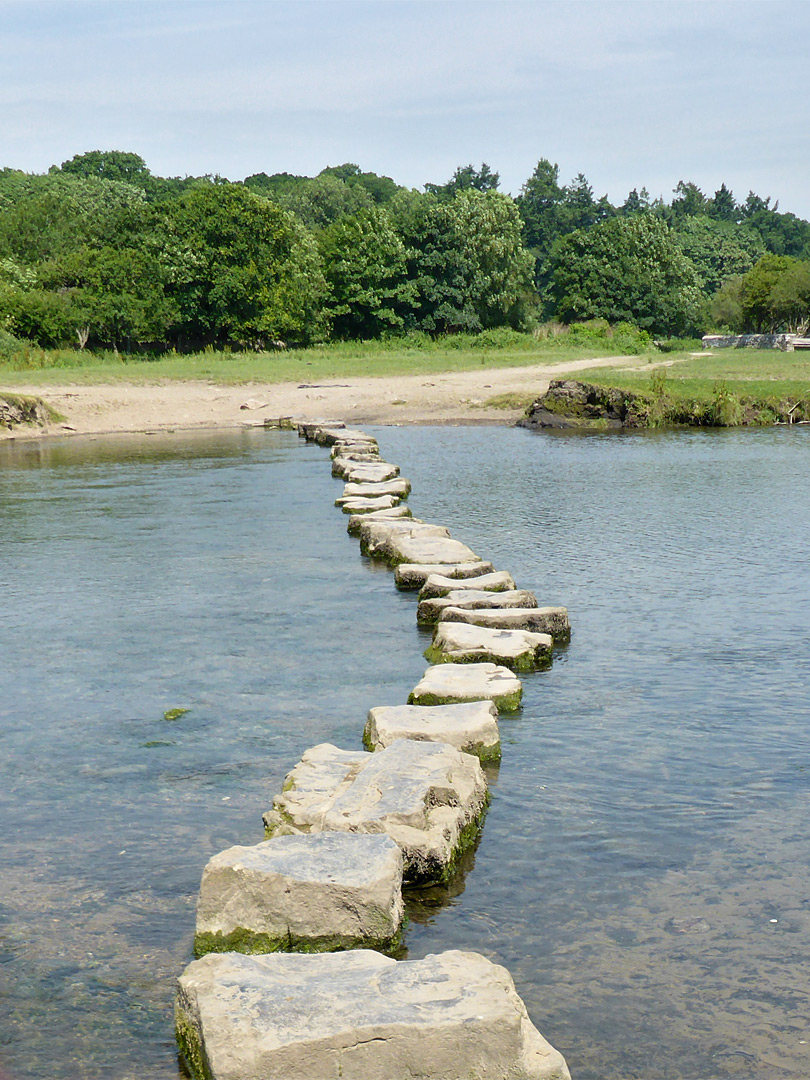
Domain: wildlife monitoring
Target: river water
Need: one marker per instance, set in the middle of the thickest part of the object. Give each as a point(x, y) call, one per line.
point(644, 868)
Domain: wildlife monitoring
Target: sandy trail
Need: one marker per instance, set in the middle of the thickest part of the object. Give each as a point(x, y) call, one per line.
point(454, 398)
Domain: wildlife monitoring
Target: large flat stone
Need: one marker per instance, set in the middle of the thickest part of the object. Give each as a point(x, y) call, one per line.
point(320, 892)
point(471, 726)
point(541, 620)
point(357, 505)
point(393, 514)
point(441, 584)
point(398, 487)
point(364, 472)
point(444, 684)
point(414, 575)
point(429, 611)
point(357, 1016)
point(420, 547)
point(329, 436)
point(428, 797)
point(460, 643)
point(358, 450)
point(377, 534)
point(307, 429)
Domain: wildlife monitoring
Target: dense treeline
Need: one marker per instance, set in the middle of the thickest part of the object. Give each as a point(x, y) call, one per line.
point(101, 253)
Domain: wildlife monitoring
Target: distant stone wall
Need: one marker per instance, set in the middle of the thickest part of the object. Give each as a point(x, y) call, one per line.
point(749, 341)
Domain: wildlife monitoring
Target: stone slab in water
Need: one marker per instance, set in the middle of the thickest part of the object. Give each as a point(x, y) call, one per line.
point(328, 436)
point(441, 585)
point(398, 487)
point(358, 1016)
point(429, 611)
point(344, 463)
point(320, 892)
point(461, 643)
point(377, 534)
point(359, 450)
point(414, 575)
point(357, 505)
point(443, 684)
point(393, 514)
point(307, 429)
point(364, 472)
point(428, 797)
point(541, 620)
point(420, 547)
point(470, 726)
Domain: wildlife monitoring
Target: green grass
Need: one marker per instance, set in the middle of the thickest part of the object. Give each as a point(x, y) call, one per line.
point(332, 362)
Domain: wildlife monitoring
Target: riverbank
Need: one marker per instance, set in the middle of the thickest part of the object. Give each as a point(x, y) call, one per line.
point(487, 396)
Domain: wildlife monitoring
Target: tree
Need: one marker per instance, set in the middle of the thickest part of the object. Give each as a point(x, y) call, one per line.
point(637, 202)
point(626, 269)
point(539, 202)
point(109, 165)
point(775, 295)
point(468, 263)
point(365, 266)
point(466, 178)
point(723, 207)
point(240, 268)
point(322, 200)
point(718, 250)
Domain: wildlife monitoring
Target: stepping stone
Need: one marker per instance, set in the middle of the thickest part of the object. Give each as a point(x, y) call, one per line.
point(460, 643)
point(314, 893)
point(329, 436)
point(357, 1015)
point(439, 585)
point(471, 726)
point(398, 487)
point(420, 547)
point(364, 472)
point(428, 797)
point(356, 451)
point(356, 505)
point(356, 520)
point(376, 535)
point(541, 620)
point(429, 611)
point(414, 575)
point(306, 430)
point(445, 684)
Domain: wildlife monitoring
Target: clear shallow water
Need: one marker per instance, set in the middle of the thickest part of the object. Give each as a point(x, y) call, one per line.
point(649, 819)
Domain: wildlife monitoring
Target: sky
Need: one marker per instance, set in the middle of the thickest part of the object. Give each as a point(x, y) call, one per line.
point(631, 93)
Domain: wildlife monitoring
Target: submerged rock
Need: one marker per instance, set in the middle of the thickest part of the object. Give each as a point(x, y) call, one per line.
point(319, 892)
point(470, 726)
point(460, 643)
point(441, 585)
point(414, 575)
point(429, 611)
point(444, 684)
point(429, 798)
point(541, 620)
point(358, 1016)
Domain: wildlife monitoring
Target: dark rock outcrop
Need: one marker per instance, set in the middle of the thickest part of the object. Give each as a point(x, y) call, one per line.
point(571, 404)
point(22, 410)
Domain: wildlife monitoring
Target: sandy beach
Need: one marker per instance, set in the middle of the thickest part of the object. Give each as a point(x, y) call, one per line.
point(451, 398)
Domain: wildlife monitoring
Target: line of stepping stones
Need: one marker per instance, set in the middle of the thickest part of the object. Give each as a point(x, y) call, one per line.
point(296, 936)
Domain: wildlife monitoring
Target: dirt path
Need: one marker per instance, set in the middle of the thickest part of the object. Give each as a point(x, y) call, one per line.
point(456, 397)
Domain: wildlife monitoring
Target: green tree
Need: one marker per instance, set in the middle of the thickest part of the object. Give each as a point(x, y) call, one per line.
point(723, 207)
point(468, 263)
point(466, 178)
point(109, 165)
point(718, 250)
point(322, 200)
point(365, 265)
point(626, 269)
point(690, 201)
point(775, 295)
point(240, 269)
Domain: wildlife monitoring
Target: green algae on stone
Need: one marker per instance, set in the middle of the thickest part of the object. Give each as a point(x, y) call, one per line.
point(254, 943)
point(175, 714)
point(526, 661)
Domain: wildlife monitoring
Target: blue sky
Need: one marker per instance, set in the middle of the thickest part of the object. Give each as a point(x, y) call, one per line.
point(630, 93)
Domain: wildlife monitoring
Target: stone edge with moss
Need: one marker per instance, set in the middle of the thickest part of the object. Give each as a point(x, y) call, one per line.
point(530, 660)
point(254, 943)
point(503, 702)
point(487, 753)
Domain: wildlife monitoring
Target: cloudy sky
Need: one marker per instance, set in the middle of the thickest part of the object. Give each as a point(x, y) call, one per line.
point(629, 92)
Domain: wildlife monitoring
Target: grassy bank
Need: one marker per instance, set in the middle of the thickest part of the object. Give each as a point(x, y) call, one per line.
point(418, 355)
point(728, 387)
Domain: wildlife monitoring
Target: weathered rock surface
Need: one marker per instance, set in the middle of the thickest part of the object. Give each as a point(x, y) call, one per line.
point(429, 798)
point(444, 684)
point(460, 643)
point(420, 547)
point(307, 429)
point(541, 620)
point(393, 514)
point(357, 450)
point(15, 410)
point(429, 611)
point(414, 575)
point(441, 585)
point(358, 1016)
point(356, 505)
point(571, 404)
point(470, 726)
point(376, 535)
point(364, 472)
point(341, 463)
point(398, 487)
point(319, 892)
point(330, 436)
